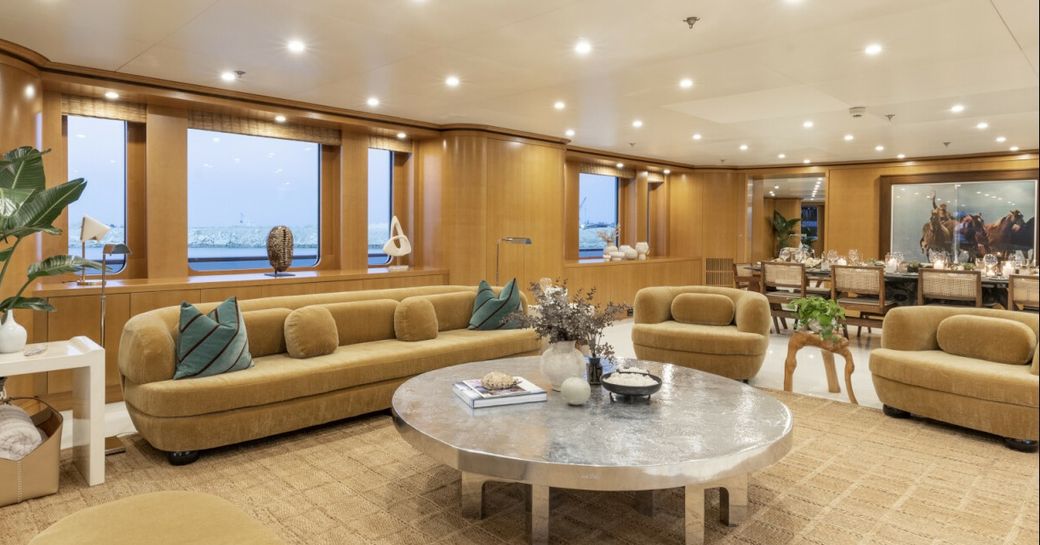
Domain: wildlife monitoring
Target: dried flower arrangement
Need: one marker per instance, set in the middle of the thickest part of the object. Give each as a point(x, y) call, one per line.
point(577, 318)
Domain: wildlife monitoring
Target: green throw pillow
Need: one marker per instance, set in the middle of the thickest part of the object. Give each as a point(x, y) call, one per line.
point(489, 310)
point(211, 344)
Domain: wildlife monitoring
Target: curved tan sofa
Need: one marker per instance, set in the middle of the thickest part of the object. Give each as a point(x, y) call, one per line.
point(698, 337)
point(963, 384)
point(281, 393)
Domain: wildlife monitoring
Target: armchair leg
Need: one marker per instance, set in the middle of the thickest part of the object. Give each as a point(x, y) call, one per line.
point(894, 412)
point(182, 457)
point(1021, 445)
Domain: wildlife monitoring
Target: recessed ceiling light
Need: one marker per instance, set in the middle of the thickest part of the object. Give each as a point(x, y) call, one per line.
point(569, 133)
point(879, 147)
point(559, 104)
point(781, 156)
point(901, 156)
point(279, 118)
point(849, 138)
point(583, 47)
point(696, 136)
point(873, 49)
point(401, 136)
point(743, 147)
point(806, 161)
point(452, 81)
point(818, 180)
point(808, 124)
point(957, 108)
point(228, 75)
point(1013, 148)
point(637, 123)
point(296, 46)
point(372, 101)
point(982, 125)
point(667, 172)
point(776, 187)
point(620, 165)
point(111, 95)
point(1000, 139)
point(686, 83)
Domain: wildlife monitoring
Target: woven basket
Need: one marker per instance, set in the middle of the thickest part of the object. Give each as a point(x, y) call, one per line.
point(36, 474)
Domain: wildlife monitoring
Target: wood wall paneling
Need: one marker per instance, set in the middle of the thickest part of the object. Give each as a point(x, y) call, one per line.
point(353, 214)
point(464, 212)
point(166, 196)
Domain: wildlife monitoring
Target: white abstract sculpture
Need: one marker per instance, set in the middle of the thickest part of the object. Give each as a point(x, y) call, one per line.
point(398, 245)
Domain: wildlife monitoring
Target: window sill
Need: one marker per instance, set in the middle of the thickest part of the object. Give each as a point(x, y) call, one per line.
point(600, 262)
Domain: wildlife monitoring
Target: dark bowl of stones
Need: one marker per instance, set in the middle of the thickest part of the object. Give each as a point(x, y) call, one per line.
point(631, 385)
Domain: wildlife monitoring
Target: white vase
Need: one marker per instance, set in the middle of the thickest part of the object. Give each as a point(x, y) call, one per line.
point(643, 249)
point(562, 361)
point(12, 335)
point(609, 251)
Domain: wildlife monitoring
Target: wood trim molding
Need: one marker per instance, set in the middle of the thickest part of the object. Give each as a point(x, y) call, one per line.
point(885, 208)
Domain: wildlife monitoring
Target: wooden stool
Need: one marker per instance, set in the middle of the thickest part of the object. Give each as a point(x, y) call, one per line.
point(800, 340)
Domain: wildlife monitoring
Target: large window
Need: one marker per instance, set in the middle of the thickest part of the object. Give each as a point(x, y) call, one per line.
point(97, 153)
point(597, 212)
point(380, 203)
point(239, 187)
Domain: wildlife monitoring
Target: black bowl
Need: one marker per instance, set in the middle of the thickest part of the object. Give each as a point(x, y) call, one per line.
point(635, 391)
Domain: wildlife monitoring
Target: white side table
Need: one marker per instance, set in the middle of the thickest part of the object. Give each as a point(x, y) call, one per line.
point(86, 359)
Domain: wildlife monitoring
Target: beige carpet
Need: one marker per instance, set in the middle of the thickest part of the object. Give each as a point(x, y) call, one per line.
point(853, 477)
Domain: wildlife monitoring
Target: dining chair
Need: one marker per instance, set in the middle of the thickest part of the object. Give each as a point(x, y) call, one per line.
point(744, 277)
point(1024, 292)
point(783, 283)
point(861, 289)
point(949, 286)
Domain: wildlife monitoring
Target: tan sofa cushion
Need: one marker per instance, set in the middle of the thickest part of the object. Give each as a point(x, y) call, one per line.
point(310, 331)
point(969, 377)
point(415, 320)
point(266, 331)
point(364, 321)
point(453, 309)
point(986, 338)
point(703, 308)
point(280, 378)
point(703, 339)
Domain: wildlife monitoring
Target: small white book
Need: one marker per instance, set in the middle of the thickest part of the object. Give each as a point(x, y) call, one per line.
point(476, 396)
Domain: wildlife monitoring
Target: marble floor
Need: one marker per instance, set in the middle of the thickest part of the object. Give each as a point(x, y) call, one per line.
point(808, 379)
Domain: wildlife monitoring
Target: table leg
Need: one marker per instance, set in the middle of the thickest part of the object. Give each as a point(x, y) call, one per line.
point(832, 375)
point(646, 502)
point(849, 368)
point(539, 515)
point(694, 515)
point(790, 364)
point(733, 500)
point(472, 495)
point(88, 421)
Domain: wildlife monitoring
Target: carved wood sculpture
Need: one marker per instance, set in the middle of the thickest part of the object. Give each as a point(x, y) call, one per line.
point(800, 340)
point(280, 250)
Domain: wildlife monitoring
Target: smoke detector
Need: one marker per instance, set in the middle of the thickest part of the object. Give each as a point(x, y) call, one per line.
point(857, 111)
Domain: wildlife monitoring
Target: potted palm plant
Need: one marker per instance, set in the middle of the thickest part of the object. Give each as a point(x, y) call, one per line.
point(28, 207)
point(783, 229)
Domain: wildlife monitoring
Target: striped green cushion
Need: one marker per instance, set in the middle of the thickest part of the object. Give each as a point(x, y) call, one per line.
point(211, 344)
point(489, 310)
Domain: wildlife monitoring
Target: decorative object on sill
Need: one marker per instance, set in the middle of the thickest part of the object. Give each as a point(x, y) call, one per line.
point(90, 230)
point(497, 380)
point(564, 321)
point(643, 249)
point(280, 250)
point(617, 256)
point(107, 250)
point(29, 207)
point(575, 391)
point(629, 252)
point(611, 238)
point(397, 246)
point(525, 241)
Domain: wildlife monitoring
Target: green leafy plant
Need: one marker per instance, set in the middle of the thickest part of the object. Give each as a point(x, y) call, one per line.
point(28, 207)
point(822, 316)
point(783, 229)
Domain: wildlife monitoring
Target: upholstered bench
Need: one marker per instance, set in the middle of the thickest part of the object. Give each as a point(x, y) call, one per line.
point(159, 518)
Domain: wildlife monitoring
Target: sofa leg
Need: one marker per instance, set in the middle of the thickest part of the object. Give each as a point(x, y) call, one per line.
point(1021, 445)
point(894, 412)
point(182, 457)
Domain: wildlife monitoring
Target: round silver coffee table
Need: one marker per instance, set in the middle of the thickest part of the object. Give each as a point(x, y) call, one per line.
point(699, 431)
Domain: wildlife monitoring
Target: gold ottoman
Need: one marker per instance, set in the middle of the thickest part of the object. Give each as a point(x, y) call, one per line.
point(175, 517)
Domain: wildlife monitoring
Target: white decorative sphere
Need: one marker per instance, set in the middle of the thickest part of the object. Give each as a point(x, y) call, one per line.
point(575, 391)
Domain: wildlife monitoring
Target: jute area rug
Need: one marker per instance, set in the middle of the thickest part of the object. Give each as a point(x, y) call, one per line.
point(853, 477)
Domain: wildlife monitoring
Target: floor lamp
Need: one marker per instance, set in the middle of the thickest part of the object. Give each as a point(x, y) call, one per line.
point(112, 444)
point(90, 229)
point(498, 250)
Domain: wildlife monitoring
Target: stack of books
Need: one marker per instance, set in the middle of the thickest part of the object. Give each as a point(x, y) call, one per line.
point(476, 396)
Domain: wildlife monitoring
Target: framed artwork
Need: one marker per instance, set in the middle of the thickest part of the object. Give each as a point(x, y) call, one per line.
point(965, 218)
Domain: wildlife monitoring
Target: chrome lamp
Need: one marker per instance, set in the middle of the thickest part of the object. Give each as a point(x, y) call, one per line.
point(90, 229)
point(107, 250)
point(498, 250)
